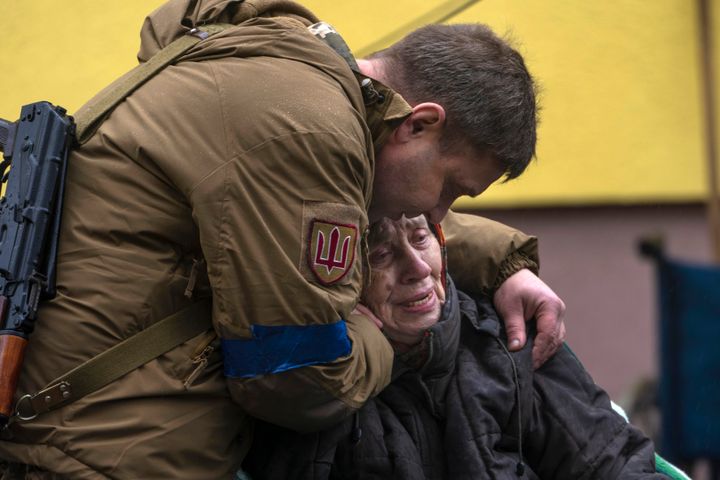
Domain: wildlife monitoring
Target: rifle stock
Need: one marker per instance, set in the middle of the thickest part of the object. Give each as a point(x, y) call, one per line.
point(12, 354)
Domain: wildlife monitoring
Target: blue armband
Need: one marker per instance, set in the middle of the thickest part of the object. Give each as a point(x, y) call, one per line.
point(274, 349)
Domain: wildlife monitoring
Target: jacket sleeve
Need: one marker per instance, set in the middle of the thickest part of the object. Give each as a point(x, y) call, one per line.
point(576, 434)
point(293, 353)
point(482, 253)
point(282, 223)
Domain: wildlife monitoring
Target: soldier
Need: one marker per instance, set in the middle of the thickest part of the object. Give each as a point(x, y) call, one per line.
point(244, 172)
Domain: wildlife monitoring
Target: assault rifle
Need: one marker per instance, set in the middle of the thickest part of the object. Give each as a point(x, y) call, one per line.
point(35, 150)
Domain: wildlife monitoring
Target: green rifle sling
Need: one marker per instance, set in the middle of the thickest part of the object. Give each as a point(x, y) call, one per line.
point(119, 360)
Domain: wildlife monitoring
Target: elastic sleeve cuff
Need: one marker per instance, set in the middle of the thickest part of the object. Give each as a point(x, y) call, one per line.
point(512, 264)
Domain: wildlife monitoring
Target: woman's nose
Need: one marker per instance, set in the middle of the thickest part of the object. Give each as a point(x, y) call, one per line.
point(415, 267)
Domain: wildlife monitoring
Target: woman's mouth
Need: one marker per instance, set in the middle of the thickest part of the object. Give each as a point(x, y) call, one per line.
point(421, 301)
point(422, 304)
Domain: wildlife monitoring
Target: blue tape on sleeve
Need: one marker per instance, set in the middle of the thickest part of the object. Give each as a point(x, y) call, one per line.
point(274, 349)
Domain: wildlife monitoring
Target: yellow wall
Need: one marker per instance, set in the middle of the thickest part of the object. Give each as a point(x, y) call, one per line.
point(621, 119)
point(65, 52)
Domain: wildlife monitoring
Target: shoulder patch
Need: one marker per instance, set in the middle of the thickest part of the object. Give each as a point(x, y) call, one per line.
point(330, 242)
point(331, 252)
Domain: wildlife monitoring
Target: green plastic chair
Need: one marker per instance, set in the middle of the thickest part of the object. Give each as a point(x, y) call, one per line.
point(661, 465)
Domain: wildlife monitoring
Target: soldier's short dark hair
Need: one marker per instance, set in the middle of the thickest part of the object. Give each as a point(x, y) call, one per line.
point(481, 82)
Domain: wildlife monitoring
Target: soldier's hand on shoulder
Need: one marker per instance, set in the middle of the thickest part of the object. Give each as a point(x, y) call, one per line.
point(361, 309)
point(524, 296)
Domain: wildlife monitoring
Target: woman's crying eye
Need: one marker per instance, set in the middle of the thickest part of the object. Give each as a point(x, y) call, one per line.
point(420, 237)
point(380, 257)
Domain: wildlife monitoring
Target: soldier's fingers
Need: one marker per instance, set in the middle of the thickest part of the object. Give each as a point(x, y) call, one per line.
point(361, 309)
point(542, 350)
point(515, 328)
point(546, 345)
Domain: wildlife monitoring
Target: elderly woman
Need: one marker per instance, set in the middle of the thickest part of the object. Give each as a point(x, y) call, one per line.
point(460, 406)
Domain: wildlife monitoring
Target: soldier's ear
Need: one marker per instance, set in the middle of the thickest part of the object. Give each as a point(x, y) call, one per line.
point(426, 119)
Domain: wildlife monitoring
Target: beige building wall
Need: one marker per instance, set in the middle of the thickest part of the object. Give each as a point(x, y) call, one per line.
point(589, 256)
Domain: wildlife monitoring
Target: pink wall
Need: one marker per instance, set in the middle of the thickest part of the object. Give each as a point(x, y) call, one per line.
point(589, 257)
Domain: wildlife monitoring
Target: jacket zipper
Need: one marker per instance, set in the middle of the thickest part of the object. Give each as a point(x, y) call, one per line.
point(201, 359)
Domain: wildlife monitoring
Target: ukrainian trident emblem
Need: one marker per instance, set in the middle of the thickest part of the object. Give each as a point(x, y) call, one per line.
point(332, 250)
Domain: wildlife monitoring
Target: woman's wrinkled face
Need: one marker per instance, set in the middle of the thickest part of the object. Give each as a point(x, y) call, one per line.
point(405, 291)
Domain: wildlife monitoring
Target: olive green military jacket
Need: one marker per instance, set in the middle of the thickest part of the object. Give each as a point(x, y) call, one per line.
point(243, 172)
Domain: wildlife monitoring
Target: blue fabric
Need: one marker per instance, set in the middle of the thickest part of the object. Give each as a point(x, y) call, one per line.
point(280, 348)
point(690, 360)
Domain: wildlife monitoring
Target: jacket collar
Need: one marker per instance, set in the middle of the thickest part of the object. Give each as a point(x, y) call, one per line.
point(385, 109)
point(384, 116)
point(481, 314)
